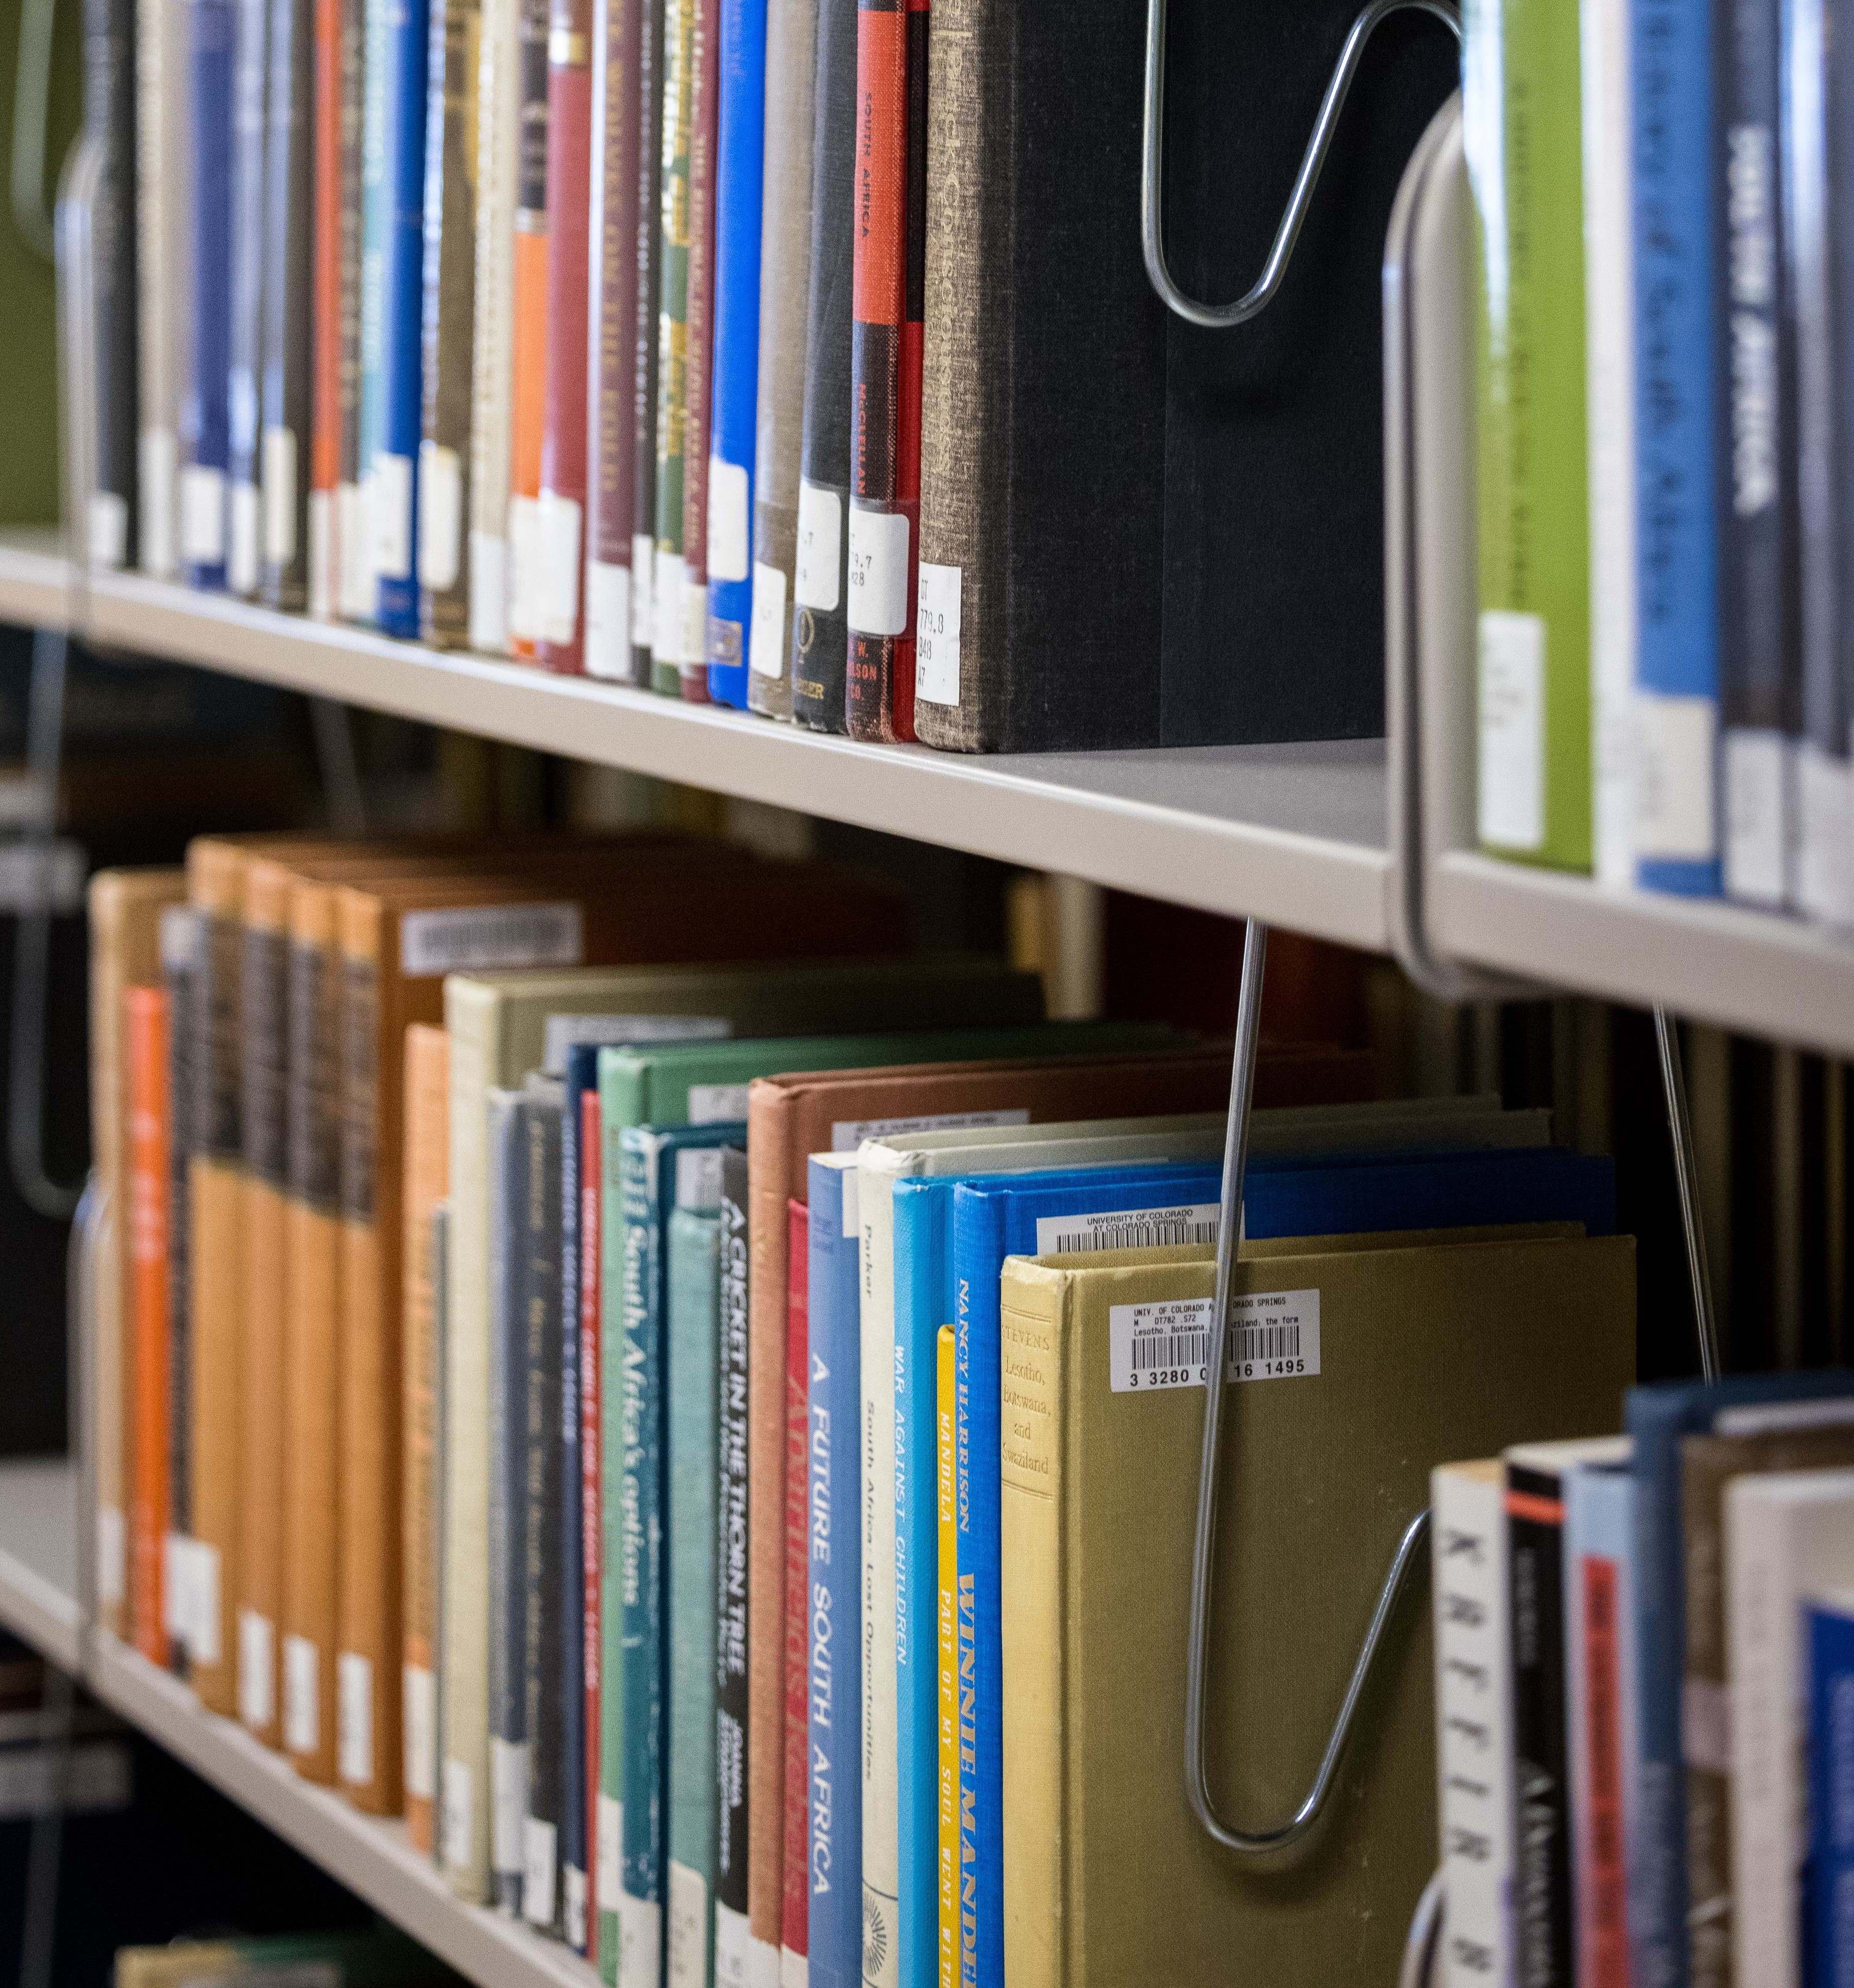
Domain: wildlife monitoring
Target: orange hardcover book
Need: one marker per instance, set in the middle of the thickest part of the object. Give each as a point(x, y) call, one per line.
point(145, 1012)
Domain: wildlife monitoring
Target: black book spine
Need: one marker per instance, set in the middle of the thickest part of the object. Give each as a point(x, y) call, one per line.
point(731, 1544)
point(820, 629)
point(508, 1473)
point(109, 111)
point(542, 1338)
point(289, 249)
point(572, 1536)
point(1535, 1526)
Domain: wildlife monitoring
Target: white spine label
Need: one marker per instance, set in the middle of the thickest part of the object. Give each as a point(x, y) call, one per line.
point(321, 554)
point(393, 516)
point(355, 1718)
point(509, 1805)
point(733, 1948)
point(729, 526)
point(525, 560)
point(1675, 767)
point(672, 620)
point(610, 1853)
point(1512, 762)
point(699, 1179)
point(1127, 1229)
point(879, 559)
point(477, 938)
point(688, 1927)
point(1758, 817)
point(559, 536)
point(257, 1670)
point(767, 643)
point(564, 1032)
point(177, 1613)
point(936, 634)
point(643, 588)
point(1274, 1335)
point(279, 474)
point(440, 516)
point(421, 1690)
point(108, 533)
point(716, 1104)
point(817, 582)
point(539, 1863)
point(458, 1823)
point(202, 515)
point(112, 1552)
point(203, 1637)
point(301, 1712)
point(608, 636)
point(158, 459)
point(488, 593)
point(847, 1134)
point(640, 1943)
point(354, 550)
point(242, 558)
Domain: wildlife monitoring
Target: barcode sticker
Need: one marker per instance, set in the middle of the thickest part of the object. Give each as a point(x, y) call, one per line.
point(1127, 1229)
point(1512, 767)
point(936, 634)
point(354, 550)
point(560, 535)
point(257, 1670)
point(688, 1927)
point(302, 1707)
point(879, 548)
point(525, 560)
point(202, 515)
point(714, 1103)
point(440, 516)
point(355, 1718)
point(475, 938)
point(767, 645)
point(392, 516)
point(610, 1853)
point(818, 581)
point(158, 460)
point(488, 593)
point(459, 1820)
point(279, 474)
point(421, 1714)
point(1676, 751)
point(608, 632)
point(699, 1179)
point(1274, 1335)
point(730, 528)
point(643, 588)
point(847, 1134)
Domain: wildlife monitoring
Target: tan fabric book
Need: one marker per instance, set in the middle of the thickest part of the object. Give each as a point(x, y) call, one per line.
point(125, 909)
point(1411, 1350)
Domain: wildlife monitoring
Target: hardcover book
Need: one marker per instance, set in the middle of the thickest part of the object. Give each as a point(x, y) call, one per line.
point(492, 376)
point(669, 621)
point(698, 340)
point(794, 1924)
point(353, 534)
point(109, 115)
point(1829, 1626)
point(336, 253)
point(374, 508)
point(735, 1957)
point(284, 397)
point(180, 941)
point(147, 1142)
point(250, 75)
point(164, 261)
point(529, 333)
point(507, 1703)
point(205, 432)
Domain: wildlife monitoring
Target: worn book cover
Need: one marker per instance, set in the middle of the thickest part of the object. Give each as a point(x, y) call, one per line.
point(1467, 1339)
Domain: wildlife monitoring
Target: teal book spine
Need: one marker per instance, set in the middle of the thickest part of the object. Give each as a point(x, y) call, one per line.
point(694, 1318)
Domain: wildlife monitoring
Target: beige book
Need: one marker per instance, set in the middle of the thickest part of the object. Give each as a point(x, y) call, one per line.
point(125, 909)
point(1404, 1353)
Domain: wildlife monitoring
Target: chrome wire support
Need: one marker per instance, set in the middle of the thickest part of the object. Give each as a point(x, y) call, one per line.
point(1423, 1943)
point(1197, 1783)
point(1220, 317)
point(1706, 1330)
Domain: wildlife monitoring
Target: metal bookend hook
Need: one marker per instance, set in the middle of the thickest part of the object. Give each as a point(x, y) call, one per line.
point(1706, 1330)
point(1197, 1785)
point(1218, 317)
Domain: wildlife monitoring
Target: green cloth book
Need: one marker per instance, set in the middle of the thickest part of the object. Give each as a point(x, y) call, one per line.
point(1523, 136)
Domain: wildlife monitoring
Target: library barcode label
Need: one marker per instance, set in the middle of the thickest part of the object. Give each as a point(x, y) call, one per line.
point(475, 938)
point(1274, 1335)
point(1127, 1229)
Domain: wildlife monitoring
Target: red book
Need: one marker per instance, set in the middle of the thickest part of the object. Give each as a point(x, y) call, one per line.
point(794, 1916)
point(887, 296)
point(563, 412)
point(146, 1022)
point(591, 1488)
point(1603, 1962)
point(705, 96)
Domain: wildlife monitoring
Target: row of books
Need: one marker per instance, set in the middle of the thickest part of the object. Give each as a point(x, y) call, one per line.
point(732, 1487)
point(761, 353)
point(1662, 354)
point(374, 1957)
point(1642, 1649)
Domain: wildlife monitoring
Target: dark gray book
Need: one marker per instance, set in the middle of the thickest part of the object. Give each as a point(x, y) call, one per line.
point(820, 579)
point(730, 1538)
point(109, 117)
point(288, 248)
point(541, 1333)
point(250, 80)
point(508, 1474)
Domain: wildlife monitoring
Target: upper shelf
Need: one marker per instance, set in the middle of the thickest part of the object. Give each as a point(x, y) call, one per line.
point(1293, 834)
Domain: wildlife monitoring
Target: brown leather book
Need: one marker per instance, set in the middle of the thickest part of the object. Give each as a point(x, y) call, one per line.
point(125, 909)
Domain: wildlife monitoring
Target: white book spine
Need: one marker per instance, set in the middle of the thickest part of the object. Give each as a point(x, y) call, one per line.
point(1473, 1723)
point(164, 263)
point(1609, 319)
point(492, 385)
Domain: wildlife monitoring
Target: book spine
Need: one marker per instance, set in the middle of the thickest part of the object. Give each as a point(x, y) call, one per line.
point(670, 616)
point(1816, 88)
point(328, 226)
point(402, 344)
point(640, 1519)
point(564, 414)
point(1598, 1769)
point(1034, 1634)
point(698, 342)
point(591, 1495)
point(611, 1540)
point(529, 333)
point(1677, 360)
point(739, 195)
point(108, 90)
point(885, 369)
point(1522, 129)
point(362, 561)
point(369, 1687)
point(961, 621)
point(834, 1331)
point(693, 1268)
point(206, 438)
point(353, 536)
point(785, 233)
point(508, 1708)
point(311, 1357)
point(1474, 1721)
point(1759, 681)
point(876, 1207)
point(542, 1333)
point(820, 570)
point(285, 408)
point(146, 1011)
point(646, 345)
point(493, 378)
point(794, 1923)
point(733, 1789)
point(449, 302)
point(263, 1107)
point(250, 67)
point(163, 216)
point(946, 1643)
point(1705, 1723)
point(180, 974)
point(1542, 1924)
point(570, 1495)
point(1830, 1645)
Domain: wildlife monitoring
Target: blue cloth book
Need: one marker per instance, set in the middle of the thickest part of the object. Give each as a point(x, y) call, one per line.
point(1657, 1418)
point(694, 1270)
point(834, 1640)
point(1828, 1874)
point(208, 414)
point(402, 283)
point(1679, 350)
point(650, 1158)
point(998, 1215)
point(738, 175)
